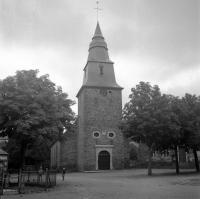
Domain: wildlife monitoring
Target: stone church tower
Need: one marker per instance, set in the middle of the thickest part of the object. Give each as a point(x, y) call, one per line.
point(100, 142)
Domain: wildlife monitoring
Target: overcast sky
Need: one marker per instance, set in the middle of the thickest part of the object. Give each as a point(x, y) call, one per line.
point(148, 40)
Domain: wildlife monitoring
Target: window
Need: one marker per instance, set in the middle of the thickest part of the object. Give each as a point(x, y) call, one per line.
point(103, 92)
point(96, 134)
point(111, 134)
point(101, 69)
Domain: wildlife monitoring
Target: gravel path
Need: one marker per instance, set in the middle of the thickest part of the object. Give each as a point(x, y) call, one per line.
point(125, 184)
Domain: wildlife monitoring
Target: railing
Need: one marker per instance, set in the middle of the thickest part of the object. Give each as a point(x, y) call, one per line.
point(22, 180)
point(46, 178)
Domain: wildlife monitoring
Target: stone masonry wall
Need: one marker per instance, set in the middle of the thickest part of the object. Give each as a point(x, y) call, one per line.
point(102, 112)
point(80, 136)
point(55, 155)
point(69, 152)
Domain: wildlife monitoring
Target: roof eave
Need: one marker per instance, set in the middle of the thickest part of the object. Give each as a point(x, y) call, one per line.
point(107, 87)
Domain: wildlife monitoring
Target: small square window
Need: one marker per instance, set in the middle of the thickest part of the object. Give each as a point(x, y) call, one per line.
point(103, 92)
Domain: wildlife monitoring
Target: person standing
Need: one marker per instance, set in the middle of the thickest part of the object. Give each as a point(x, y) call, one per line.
point(40, 172)
point(63, 173)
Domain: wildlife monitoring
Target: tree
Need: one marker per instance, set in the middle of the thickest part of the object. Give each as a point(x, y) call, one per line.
point(189, 114)
point(31, 108)
point(174, 138)
point(149, 117)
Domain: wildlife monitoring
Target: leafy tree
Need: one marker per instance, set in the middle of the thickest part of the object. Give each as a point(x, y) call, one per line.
point(13, 150)
point(148, 116)
point(174, 138)
point(32, 110)
point(189, 116)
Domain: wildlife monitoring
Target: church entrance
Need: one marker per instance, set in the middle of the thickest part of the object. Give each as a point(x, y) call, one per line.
point(104, 160)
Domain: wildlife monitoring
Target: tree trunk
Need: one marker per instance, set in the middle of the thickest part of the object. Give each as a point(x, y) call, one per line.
point(150, 161)
point(196, 159)
point(22, 154)
point(177, 160)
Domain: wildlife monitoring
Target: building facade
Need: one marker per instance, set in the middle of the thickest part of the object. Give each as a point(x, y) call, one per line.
point(99, 142)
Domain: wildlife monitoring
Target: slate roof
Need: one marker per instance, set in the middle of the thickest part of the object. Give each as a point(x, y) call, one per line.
point(99, 58)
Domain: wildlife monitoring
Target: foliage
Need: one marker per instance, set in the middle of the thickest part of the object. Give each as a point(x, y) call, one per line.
point(188, 111)
point(162, 121)
point(148, 118)
point(33, 108)
point(190, 120)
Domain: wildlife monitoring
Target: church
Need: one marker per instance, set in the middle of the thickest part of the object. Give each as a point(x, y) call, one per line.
point(98, 143)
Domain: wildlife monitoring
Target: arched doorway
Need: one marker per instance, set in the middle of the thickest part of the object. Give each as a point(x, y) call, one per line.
point(104, 160)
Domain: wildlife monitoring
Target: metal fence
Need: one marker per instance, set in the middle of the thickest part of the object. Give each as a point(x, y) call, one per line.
point(22, 180)
point(35, 178)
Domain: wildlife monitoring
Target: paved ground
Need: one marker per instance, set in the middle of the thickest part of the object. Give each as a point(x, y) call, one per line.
point(126, 184)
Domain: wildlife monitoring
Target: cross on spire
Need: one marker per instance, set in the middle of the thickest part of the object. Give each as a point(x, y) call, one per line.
point(98, 9)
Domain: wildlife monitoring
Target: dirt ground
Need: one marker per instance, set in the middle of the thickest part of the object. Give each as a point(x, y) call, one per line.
point(124, 184)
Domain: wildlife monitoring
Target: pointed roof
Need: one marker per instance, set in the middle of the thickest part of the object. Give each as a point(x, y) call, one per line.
point(98, 50)
point(98, 32)
point(99, 70)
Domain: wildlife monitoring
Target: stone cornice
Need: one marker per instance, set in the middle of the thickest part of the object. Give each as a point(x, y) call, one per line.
point(99, 87)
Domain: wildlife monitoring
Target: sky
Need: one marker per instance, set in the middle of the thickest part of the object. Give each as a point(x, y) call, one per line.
point(156, 41)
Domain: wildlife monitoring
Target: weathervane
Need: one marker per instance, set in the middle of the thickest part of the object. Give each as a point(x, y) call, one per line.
point(98, 9)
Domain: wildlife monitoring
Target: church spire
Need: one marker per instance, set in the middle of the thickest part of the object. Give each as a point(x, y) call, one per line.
point(99, 70)
point(98, 50)
point(98, 32)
